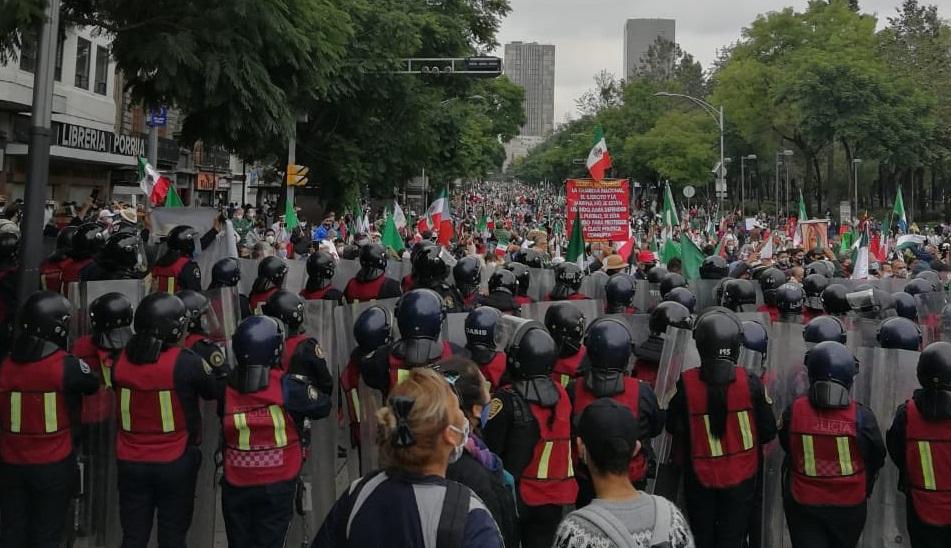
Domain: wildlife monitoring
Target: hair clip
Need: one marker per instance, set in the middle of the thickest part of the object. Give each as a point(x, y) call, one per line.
point(402, 406)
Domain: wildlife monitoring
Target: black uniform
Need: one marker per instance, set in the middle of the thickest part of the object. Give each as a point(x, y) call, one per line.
point(500, 300)
point(190, 276)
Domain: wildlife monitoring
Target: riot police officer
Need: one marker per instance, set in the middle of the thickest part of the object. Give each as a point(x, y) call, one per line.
point(813, 285)
point(371, 331)
point(718, 417)
point(905, 305)
point(523, 278)
point(834, 451)
point(528, 257)
point(197, 338)
point(158, 385)
point(671, 281)
point(900, 333)
point(568, 278)
point(85, 244)
point(737, 295)
point(51, 271)
point(262, 408)
point(789, 299)
point(302, 353)
point(770, 280)
point(566, 324)
point(755, 346)
point(122, 258)
point(502, 289)
point(683, 296)
point(468, 275)
point(823, 328)
point(40, 390)
point(371, 281)
point(609, 350)
point(917, 443)
point(666, 314)
point(714, 267)
point(110, 319)
point(177, 269)
point(834, 301)
point(480, 342)
point(619, 295)
point(227, 273)
point(320, 273)
point(527, 419)
point(271, 274)
point(419, 316)
point(430, 272)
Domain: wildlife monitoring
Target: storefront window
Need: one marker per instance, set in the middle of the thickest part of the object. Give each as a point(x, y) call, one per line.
point(102, 70)
point(83, 51)
point(28, 53)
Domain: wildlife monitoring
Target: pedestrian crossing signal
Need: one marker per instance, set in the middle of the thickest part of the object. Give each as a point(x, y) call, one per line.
point(297, 175)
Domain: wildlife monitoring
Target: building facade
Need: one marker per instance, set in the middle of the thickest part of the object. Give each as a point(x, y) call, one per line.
point(532, 66)
point(640, 35)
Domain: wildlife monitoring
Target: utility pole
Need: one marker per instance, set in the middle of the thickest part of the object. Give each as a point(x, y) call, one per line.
point(38, 169)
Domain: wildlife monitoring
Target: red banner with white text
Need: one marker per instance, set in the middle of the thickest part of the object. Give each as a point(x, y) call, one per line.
point(603, 206)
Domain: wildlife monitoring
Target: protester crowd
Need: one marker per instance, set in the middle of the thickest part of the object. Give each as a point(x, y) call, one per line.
point(637, 400)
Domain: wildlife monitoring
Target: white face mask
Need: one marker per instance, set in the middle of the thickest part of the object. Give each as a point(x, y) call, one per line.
point(270, 240)
point(457, 450)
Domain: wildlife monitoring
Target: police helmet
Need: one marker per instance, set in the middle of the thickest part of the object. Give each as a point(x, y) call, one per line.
point(669, 314)
point(789, 299)
point(934, 366)
point(321, 266)
point(373, 258)
point(932, 277)
point(814, 285)
point(718, 334)
point(532, 352)
point(428, 267)
point(480, 327)
point(467, 274)
point(919, 286)
point(670, 281)
point(834, 300)
point(900, 333)
point(503, 280)
point(273, 270)
point(619, 293)
point(372, 327)
point(288, 307)
point(823, 268)
point(755, 337)
point(258, 344)
point(196, 306)
point(162, 317)
point(734, 293)
point(87, 241)
point(182, 239)
point(770, 280)
point(522, 276)
point(824, 328)
point(566, 324)
point(419, 314)
point(569, 275)
point(45, 315)
point(683, 296)
point(110, 311)
point(714, 267)
point(656, 274)
point(125, 251)
point(608, 343)
point(528, 257)
point(831, 368)
point(905, 305)
point(226, 273)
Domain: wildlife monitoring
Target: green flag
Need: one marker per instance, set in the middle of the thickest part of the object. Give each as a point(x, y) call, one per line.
point(803, 216)
point(692, 258)
point(847, 239)
point(391, 236)
point(172, 199)
point(290, 216)
point(669, 212)
point(898, 214)
point(575, 252)
point(671, 249)
point(483, 224)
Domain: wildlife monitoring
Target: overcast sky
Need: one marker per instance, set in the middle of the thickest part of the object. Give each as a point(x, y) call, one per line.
point(588, 34)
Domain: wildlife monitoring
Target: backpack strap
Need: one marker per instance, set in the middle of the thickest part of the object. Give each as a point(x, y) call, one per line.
point(660, 538)
point(608, 524)
point(344, 521)
point(452, 519)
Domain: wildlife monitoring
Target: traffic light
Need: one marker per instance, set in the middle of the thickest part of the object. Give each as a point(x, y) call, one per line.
point(297, 175)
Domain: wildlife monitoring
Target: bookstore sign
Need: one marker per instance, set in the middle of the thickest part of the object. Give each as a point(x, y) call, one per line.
point(97, 140)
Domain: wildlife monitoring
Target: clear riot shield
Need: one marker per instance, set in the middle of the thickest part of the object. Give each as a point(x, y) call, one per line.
point(638, 324)
point(249, 271)
point(862, 341)
point(224, 313)
point(82, 294)
point(541, 284)
point(323, 467)
point(590, 308)
point(929, 307)
point(345, 271)
point(678, 355)
point(508, 327)
point(705, 291)
point(893, 381)
point(454, 328)
point(485, 274)
point(593, 285)
point(785, 380)
point(296, 275)
point(370, 399)
point(396, 269)
point(205, 529)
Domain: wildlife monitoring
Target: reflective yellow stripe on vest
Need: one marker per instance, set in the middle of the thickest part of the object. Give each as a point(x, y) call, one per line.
point(107, 375)
point(716, 450)
point(355, 402)
point(126, 418)
point(280, 432)
point(49, 412)
point(927, 465)
point(808, 456)
point(168, 415)
point(845, 456)
point(571, 467)
point(244, 433)
point(171, 285)
point(565, 379)
point(745, 430)
point(16, 401)
point(543, 462)
point(401, 375)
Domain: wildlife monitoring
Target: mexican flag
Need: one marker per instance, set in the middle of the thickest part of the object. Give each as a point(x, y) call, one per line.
point(803, 216)
point(399, 218)
point(391, 237)
point(172, 199)
point(153, 184)
point(575, 252)
point(290, 216)
point(692, 258)
point(860, 264)
point(898, 213)
point(598, 159)
point(669, 213)
point(438, 217)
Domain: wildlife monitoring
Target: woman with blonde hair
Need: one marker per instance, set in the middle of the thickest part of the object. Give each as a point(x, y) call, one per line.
point(410, 502)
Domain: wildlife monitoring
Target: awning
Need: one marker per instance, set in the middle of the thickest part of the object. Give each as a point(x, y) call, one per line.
point(88, 156)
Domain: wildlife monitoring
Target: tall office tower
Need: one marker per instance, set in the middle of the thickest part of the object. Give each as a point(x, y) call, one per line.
point(639, 35)
point(532, 66)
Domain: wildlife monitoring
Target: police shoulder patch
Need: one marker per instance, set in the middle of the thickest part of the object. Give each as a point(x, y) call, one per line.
point(84, 367)
point(494, 407)
point(217, 358)
point(318, 351)
point(206, 367)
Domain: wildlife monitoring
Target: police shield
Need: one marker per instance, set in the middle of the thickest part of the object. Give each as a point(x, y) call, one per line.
point(536, 311)
point(593, 285)
point(510, 327)
point(296, 275)
point(705, 291)
point(224, 313)
point(454, 328)
point(485, 274)
point(249, 271)
point(370, 400)
point(345, 271)
point(785, 380)
point(320, 470)
point(637, 324)
point(541, 284)
point(929, 307)
point(82, 294)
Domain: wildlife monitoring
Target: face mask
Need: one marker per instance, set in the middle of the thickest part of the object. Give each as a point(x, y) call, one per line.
point(270, 240)
point(457, 450)
point(484, 416)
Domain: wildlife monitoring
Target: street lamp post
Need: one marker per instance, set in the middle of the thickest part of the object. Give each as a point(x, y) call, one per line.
point(855, 175)
point(743, 181)
point(782, 159)
point(714, 112)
